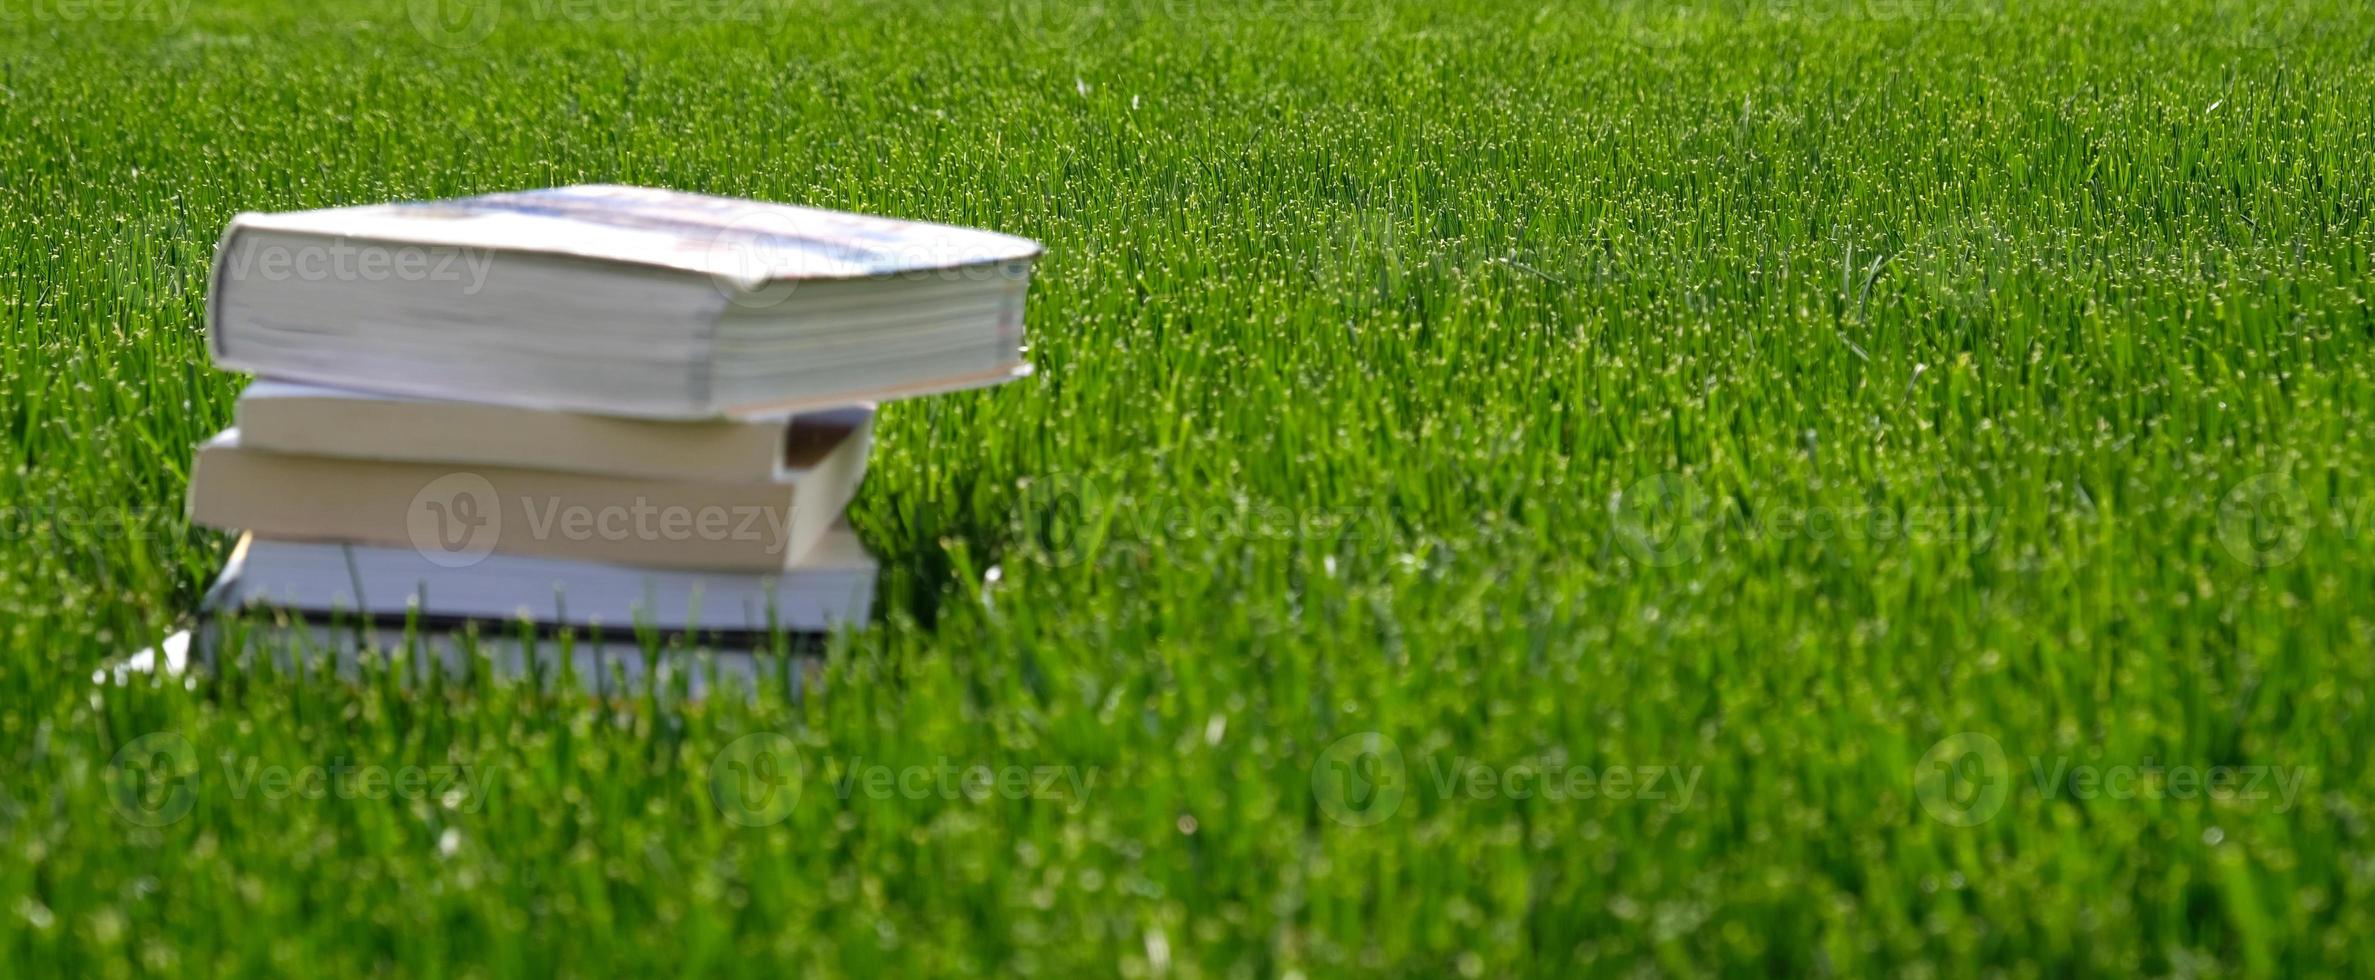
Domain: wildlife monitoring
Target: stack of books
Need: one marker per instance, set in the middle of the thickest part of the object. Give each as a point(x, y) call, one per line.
point(629, 415)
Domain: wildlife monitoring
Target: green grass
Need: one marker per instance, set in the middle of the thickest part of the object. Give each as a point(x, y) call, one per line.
point(1771, 392)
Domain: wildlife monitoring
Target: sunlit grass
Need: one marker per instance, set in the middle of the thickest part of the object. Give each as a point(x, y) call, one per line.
point(1772, 390)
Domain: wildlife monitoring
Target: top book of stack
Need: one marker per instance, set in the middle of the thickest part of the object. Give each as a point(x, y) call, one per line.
point(620, 301)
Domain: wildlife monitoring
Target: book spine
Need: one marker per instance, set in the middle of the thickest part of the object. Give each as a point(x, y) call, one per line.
point(701, 386)
point(215, 282)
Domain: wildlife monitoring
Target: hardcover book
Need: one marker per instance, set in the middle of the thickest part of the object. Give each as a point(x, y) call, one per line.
point(620, 300)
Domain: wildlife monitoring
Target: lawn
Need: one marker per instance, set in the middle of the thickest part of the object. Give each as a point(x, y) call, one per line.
point(1850, 486)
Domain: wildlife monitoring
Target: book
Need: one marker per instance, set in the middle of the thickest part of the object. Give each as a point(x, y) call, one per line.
point(288, 417)
point(554, 657)
point(830, 586)
point(456, 516)
point(620, 300)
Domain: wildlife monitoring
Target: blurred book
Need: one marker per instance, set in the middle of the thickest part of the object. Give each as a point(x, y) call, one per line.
point(693, 664)
point(832, 586)
point(459, 513)
point(619, 414)
point(620, 301)
point(313, 420)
